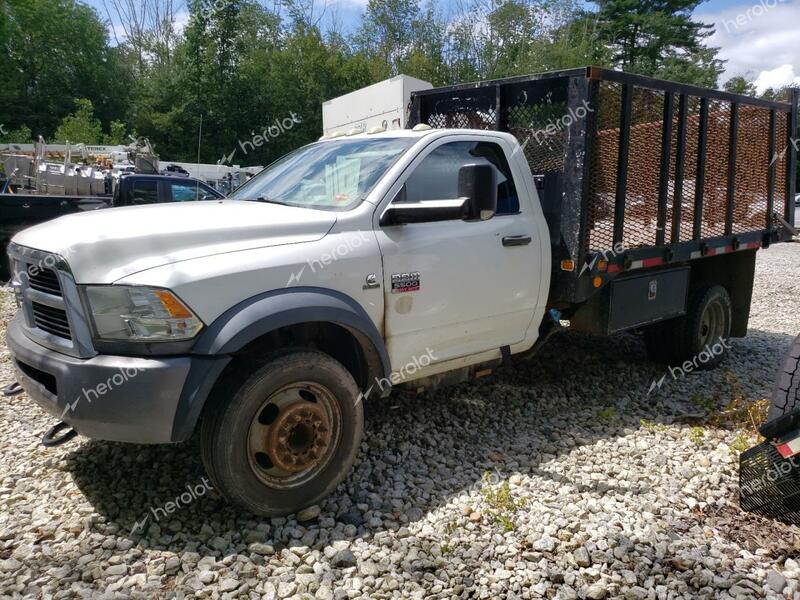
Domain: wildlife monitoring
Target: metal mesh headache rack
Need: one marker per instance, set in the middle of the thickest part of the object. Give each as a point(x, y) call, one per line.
point(769, 484)
point(642, 171)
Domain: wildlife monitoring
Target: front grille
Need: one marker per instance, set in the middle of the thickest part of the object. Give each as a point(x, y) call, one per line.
point(44, 280)
point(52, 320)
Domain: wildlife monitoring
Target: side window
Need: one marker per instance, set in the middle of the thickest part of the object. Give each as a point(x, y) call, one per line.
point(437, 177)
point(189, 192)
point(144, 192)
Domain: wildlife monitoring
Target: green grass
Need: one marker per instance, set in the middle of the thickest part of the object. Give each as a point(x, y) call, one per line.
point(697, 435)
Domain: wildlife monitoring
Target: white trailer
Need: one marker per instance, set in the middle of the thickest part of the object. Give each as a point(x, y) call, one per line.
point(384, 104)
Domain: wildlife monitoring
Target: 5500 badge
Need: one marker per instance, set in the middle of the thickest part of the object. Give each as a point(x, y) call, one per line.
point(405, 282)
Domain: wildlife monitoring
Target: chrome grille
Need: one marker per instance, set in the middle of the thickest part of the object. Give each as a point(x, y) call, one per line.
point(52, 320)
point(50, 302)
point(44, 280)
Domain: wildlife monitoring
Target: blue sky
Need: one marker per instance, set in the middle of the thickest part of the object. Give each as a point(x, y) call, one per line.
point(759, 38)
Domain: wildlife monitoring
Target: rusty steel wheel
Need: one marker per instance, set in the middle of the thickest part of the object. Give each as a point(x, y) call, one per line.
point(281, 436)
point(293, 435)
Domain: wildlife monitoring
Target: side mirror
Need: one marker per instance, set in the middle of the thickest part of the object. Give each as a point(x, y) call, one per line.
point(477, 201)
point(478, 184)
point(400, 211)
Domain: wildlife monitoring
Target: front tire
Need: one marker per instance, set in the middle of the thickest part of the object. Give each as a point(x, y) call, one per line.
point(287, 437)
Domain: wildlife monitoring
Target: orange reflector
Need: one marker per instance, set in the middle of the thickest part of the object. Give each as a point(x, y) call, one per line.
point(602, 265)
point(597, 282)
point(174, 307)
point(567, 265)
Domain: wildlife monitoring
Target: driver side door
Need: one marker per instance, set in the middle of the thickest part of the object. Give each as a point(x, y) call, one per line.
point(455, 287)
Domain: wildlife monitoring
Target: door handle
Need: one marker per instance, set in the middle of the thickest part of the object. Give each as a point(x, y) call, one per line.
point(516, 240)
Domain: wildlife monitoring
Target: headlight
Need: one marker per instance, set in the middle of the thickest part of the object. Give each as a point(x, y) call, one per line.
point(134, 313)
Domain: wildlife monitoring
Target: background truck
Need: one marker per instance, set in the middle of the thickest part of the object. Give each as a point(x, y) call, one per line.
point(19, 211)
point(367, 261)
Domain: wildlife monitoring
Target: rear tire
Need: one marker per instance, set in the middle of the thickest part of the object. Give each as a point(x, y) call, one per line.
point(786, 395)
point(287, 436)
point(703, 333)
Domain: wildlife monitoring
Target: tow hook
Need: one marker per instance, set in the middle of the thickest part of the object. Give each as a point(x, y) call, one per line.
point(50, 440)
point(12, 389)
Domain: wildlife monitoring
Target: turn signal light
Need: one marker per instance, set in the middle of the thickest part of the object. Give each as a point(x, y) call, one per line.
point(567, 265)
point(597, 282)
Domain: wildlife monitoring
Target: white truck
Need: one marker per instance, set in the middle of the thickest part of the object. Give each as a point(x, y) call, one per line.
point(368, 261)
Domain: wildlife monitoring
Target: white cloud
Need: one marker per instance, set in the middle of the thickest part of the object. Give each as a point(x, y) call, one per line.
point(759, 40)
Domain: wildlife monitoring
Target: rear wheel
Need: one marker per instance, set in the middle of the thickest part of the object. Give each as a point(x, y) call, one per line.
point(701, 336)
point(287, 437)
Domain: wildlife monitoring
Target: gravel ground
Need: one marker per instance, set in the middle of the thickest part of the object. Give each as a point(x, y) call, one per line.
point(558, 478)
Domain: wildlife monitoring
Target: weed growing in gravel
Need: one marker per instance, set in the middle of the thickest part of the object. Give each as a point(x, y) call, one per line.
point(503, 504)
point(652, 425)
point(740, 412)
point(708, 405)
point(697, 435)
point(740, 443)
point(607, 415)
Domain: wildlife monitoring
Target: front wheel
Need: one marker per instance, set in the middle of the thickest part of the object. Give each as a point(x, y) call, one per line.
point(287, 437)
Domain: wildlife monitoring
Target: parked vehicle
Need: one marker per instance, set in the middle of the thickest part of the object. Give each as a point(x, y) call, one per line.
point(412, 257)
point(19, 211)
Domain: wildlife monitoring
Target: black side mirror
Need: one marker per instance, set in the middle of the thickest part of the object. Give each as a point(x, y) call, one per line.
point(477, 201)
point(478, 184)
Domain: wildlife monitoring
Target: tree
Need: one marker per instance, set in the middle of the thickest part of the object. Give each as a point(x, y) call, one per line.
point(81, 127)
point(22, 135)
point(50, 53)
point(738, 84)
point(658, 37)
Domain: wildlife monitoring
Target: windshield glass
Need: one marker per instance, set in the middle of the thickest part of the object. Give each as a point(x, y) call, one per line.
point(333, 175)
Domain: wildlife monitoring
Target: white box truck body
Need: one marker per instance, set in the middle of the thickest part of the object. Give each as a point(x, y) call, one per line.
point(384, 104)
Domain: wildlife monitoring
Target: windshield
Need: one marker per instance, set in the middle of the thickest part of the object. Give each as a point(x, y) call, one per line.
point(332, 175)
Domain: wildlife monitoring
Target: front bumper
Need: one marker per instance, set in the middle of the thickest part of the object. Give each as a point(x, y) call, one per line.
point(116, 398)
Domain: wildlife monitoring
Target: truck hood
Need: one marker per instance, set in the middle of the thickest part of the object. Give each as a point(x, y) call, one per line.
point(105, 245)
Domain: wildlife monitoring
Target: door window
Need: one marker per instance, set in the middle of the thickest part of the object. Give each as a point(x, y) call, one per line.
point(437, 177)
point(184, 192)
point(144, 192)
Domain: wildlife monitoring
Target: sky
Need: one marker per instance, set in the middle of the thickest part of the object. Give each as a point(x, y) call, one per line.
point(759, 39)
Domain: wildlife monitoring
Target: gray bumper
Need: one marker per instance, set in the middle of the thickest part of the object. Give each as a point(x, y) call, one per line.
point(116, 398)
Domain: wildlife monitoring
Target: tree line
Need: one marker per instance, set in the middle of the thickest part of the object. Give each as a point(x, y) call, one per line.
point(198, 80)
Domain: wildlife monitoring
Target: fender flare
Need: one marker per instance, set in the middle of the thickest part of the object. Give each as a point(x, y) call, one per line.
point(257, 316)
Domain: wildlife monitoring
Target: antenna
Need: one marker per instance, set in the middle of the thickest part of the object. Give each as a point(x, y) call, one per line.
point(197, 175)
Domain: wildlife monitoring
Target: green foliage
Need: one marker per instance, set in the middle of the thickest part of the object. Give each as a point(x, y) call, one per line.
point(22, 135)
point(81, 127)
point(697, 435)
point(607, 415)
point(659, 38)
point(740, 85)
point(238, 66)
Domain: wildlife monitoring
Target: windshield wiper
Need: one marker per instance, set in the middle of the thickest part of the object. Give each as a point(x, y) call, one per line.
point(266, 200)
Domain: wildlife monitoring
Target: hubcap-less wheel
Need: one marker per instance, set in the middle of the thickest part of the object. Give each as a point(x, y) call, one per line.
point(712, 324)
point(293, 435)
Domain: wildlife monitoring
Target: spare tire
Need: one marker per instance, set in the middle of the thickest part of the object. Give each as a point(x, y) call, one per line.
point(786, 394)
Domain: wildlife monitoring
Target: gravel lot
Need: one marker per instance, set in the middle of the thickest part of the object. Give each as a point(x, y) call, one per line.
point(558, 478)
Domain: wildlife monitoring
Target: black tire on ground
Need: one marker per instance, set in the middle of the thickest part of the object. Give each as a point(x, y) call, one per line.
point(286, 436)
point(706, 326)
point(786, 395)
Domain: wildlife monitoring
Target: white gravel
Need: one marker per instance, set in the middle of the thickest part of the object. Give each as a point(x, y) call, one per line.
point(558, 478)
